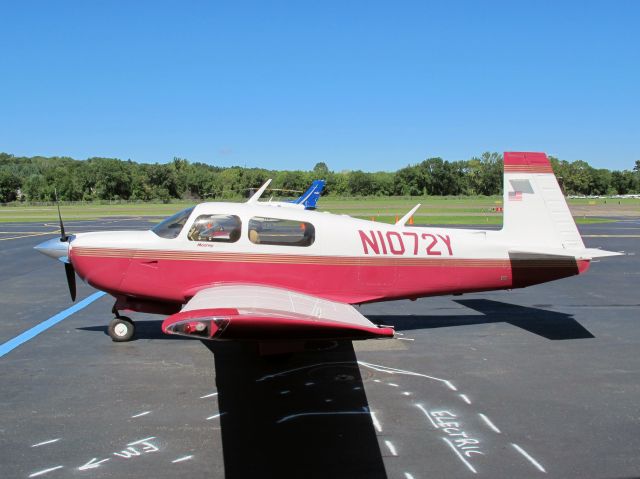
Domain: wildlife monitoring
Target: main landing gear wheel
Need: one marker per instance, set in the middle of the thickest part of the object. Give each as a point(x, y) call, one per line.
point(121, 329)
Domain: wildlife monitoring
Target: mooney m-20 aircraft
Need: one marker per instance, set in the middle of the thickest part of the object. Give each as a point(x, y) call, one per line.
point(261, 271)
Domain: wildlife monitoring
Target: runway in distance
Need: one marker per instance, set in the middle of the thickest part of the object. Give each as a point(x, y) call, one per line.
point(269, 272)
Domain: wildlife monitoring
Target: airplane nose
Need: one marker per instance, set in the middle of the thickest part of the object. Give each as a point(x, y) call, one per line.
point(54, 248)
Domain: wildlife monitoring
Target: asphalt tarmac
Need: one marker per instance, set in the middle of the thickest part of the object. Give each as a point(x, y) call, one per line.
point(537, 382)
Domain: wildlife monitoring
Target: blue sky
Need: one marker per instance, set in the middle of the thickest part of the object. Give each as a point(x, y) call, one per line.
point(359, 85)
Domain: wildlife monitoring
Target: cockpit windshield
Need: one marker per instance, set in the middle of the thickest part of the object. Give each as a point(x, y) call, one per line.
point(171, 227)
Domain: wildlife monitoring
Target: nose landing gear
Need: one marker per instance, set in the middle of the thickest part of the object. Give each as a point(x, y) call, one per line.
point(121, 328)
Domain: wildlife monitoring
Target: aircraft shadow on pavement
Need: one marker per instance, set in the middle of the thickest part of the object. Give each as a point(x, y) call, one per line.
point(548, 324)
point(306, 416)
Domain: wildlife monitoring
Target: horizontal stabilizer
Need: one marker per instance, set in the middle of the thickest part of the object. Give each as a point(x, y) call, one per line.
point(402, 221)
point(580, 254)
point(256, 196)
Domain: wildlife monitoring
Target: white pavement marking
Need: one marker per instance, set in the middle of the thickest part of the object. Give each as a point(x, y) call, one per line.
point(406, 339)
point(406, 393)
point(391, 448)
point(45, 471)
point(208, 395)
point(50, 441)
point(92, 464)
point(466, 463)
point(214, 416)
point(426, 413)
point(386, 369)
point(465, 398)
point(331, 413)
point(375, 367)
point(140, 441)
point(488, 422)
point(529, 458)
point(141, 414)
point(408, 476)
point(181, 459)
point(393, 384)
point(375, 421)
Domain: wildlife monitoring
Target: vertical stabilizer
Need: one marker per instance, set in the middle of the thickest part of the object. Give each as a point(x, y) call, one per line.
point(535, 210)
point(309, 198)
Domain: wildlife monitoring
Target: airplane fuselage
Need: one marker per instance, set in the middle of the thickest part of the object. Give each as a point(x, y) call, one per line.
point(347, 260)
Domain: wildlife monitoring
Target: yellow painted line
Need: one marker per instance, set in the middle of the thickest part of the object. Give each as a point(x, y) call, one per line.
point(27, 236)
point(611, 236)
point(24, 232)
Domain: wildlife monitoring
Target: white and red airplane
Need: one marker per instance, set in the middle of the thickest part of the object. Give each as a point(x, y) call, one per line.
point(258, 271)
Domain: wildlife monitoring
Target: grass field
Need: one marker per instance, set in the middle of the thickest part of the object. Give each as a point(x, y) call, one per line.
point(434, 210)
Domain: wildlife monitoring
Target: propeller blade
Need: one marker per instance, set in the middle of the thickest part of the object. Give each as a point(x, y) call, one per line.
point(71, 279)
point(63, 235)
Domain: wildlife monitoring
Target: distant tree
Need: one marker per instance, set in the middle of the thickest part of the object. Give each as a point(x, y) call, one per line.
point(292, 181)
point(623, 182)
point(110, 178)
point(578, 178)
point(321, 171)
point(9, 184)
point(491, 173)
point(360, 183)
point(600, 183)
point(382, 183)
point(407, 182)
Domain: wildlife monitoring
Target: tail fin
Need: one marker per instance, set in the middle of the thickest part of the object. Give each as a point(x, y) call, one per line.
point(535, 210)
point(310, 197)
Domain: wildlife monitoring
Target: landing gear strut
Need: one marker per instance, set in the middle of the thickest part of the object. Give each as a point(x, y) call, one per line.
point(121, 328)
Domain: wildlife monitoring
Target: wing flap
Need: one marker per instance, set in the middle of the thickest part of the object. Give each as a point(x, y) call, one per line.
point(250, 312)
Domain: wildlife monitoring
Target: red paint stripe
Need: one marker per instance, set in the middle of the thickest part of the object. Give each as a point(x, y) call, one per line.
point(288, 259)
point(525, 162)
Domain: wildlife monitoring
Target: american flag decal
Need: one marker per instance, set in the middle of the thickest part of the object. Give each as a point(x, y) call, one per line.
point(515, 196)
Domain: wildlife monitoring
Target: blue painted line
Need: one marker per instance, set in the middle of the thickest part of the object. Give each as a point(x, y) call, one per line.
point(43, 326)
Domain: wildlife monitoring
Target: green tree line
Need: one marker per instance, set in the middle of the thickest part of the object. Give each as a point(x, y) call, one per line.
point(36, 179)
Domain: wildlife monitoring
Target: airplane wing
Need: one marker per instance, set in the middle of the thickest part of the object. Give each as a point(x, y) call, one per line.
point(249, 312)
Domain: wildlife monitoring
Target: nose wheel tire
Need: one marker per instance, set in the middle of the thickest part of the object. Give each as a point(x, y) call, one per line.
point(121, 329)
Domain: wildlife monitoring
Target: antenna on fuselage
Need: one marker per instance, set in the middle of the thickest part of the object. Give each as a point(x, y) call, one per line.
point(405, 218)
point(256, 196)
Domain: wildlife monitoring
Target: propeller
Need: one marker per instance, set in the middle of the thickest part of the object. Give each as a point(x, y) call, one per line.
point(68, 267)
point(71, 279)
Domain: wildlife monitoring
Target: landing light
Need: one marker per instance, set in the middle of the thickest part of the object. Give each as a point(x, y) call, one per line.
point(195, 327)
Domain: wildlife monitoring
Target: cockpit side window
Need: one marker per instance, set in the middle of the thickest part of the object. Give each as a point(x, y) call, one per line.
point(275, 231)
point(216, 228)
point(171, 227)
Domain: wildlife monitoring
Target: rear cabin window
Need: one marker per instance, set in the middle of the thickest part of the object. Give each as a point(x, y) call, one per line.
point(171, 227)
point(216, 228)
point(275, 231)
